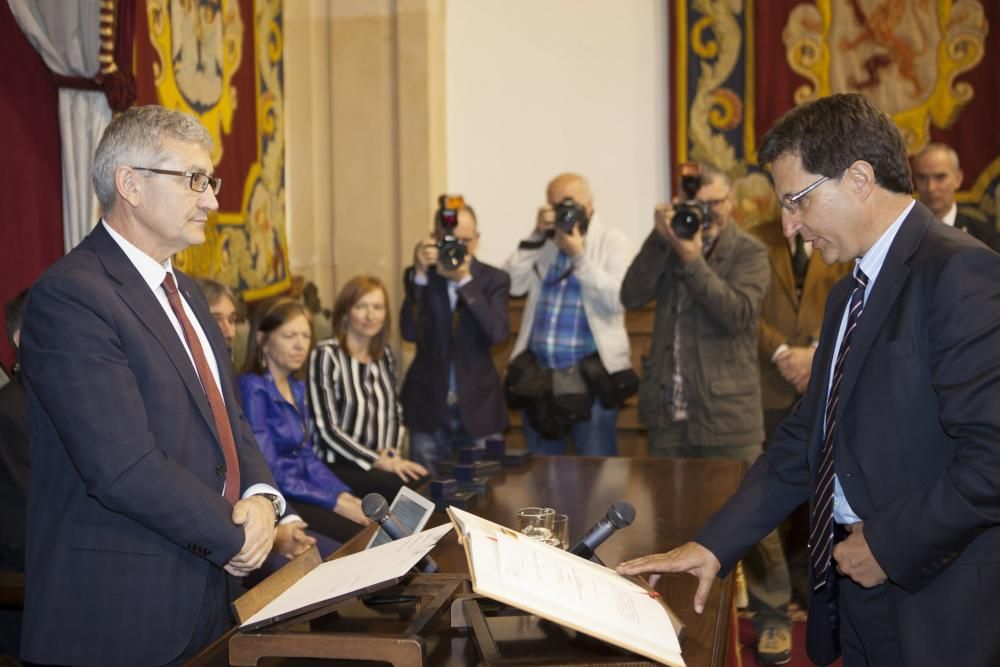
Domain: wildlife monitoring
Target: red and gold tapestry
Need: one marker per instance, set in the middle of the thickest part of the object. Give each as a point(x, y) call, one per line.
point(931, 64)
point(221, 60)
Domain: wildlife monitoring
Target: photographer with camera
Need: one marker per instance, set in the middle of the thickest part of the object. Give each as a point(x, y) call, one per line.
point(700, 391)
point(573, 327)
point(455, 310)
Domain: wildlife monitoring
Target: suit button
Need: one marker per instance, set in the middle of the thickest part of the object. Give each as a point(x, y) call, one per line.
point(220, 471)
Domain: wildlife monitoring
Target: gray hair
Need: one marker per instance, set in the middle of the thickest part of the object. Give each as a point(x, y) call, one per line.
point(135, 139)
point(949, 152)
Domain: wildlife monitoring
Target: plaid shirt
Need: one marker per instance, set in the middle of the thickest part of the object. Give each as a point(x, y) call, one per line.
point(560, 335)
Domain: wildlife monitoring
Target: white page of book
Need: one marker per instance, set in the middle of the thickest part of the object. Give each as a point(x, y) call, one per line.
point(567, 589)
point(357, 572)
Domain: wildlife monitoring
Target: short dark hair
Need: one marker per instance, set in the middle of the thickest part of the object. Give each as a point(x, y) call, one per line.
point(13, 313)
point(214, 290)
point(831, 133)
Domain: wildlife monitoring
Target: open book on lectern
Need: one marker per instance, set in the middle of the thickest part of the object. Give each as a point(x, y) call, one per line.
point(565, 589)
point(347, 577)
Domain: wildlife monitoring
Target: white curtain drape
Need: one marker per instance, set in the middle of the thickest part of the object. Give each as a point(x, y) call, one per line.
point(65, 33)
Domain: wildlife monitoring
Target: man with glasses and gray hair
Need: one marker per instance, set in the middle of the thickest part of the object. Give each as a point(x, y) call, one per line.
point(147, 486)
point(700, 391)
point(896, 443)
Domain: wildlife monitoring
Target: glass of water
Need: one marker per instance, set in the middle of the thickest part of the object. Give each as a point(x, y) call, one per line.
point(536, 522)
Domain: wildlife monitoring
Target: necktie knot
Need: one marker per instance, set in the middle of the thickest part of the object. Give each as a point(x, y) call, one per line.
point(859, 277)
point(168, 284)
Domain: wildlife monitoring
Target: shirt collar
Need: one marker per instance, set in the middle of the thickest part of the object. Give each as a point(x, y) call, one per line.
point(871, 262)
point(949, 217)
point(151, 271)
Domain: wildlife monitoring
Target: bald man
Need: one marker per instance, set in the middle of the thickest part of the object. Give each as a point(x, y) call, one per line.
point(572, 275)
point(936, 177)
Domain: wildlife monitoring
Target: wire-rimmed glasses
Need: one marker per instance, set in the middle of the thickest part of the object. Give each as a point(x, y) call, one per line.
point(791, 202)
point(199, 182)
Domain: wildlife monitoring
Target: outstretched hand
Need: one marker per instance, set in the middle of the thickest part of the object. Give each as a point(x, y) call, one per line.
point(692, 558)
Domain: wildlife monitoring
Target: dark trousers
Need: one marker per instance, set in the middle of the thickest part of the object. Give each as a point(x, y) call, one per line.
point(363, 482)
point(327, 522)
point(866, 620)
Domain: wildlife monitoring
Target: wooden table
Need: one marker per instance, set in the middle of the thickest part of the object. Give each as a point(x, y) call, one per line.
point(672, 497)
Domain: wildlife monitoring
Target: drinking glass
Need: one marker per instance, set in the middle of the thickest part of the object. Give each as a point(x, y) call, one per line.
point(536, 522)
point(560, 531)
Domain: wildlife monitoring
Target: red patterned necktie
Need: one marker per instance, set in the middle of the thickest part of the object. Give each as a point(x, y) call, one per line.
point(821, 529)
point(215, 401)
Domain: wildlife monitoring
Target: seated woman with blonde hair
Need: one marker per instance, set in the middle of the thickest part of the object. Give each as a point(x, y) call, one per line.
point(274, 401)
point(352, 392)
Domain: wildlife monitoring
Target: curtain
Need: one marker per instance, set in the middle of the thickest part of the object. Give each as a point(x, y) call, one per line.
point(66, 35)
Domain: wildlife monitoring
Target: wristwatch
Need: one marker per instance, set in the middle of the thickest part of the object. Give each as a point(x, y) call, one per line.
point(275, 504)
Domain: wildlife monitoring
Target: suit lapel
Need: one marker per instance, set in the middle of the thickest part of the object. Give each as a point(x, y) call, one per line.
point(135, 293)
point(835, 305)
point(890, 281)
point(223, 361)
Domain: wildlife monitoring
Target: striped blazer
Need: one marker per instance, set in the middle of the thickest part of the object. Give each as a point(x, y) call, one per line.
point(354, 405)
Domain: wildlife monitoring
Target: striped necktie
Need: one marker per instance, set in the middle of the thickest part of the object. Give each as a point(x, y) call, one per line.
point(219, 414)
point(821, 523)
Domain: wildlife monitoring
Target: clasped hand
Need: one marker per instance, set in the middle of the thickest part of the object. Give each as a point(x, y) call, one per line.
point(256, 515)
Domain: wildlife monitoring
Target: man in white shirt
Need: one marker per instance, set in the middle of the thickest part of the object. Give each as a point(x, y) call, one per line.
point(147, 485)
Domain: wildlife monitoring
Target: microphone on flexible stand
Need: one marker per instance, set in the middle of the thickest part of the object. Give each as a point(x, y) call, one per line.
point(619, 515)
point(376, 508)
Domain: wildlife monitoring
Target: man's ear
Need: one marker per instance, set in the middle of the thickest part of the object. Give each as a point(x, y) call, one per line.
point(861, 178)
point(128, 185)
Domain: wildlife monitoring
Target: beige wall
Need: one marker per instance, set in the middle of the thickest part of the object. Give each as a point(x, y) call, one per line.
point(536, 87)
point(365, 133)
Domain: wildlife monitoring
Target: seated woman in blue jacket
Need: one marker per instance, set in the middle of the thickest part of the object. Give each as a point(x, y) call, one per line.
point(274, 401)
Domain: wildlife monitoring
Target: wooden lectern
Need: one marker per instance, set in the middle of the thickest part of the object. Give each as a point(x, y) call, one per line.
point(386, 626)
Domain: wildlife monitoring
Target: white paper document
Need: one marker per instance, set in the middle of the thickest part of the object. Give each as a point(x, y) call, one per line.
point(352, 574)
point(566, 589)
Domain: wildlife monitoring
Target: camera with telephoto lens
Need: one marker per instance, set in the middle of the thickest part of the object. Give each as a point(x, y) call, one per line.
point(690, 214)
point(569, 214)
point(451, 249)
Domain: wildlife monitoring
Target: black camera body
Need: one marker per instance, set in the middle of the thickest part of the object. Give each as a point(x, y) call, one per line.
point(451, 249)
point(691, 214)
point(569, 214)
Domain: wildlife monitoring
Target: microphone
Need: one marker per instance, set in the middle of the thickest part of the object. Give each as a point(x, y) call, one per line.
point(619, 515)
point(376, 508)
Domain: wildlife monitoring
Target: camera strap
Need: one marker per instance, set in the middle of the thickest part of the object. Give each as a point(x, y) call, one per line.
point(556, 281)
point(528, 244)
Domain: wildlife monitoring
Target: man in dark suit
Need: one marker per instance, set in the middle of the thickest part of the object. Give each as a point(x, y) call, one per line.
point(451, 395)
point(936, 177)
point(147, 485)
point(896, 443)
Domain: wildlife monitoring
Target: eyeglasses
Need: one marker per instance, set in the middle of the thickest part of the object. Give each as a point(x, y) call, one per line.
point(199, 181)
point(791, 202)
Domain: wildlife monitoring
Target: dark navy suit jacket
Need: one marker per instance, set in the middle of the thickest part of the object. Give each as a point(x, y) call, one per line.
point(917, 446)
point(126, 519)
point(478, 323)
